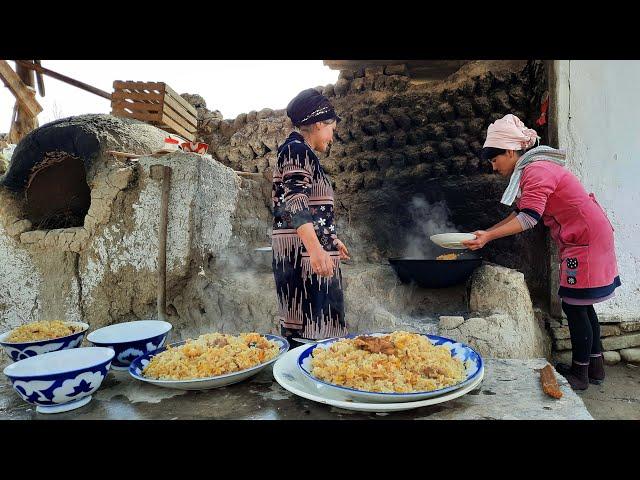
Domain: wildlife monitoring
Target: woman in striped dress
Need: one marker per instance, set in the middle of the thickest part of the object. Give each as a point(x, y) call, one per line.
point(306, 248)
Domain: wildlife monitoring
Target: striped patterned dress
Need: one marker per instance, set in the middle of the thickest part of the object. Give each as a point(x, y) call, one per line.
point(309, 306)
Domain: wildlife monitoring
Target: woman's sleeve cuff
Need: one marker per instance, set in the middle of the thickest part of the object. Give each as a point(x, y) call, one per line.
point(300, 218)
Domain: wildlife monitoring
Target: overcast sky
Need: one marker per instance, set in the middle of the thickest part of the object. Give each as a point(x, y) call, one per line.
point(231, 86)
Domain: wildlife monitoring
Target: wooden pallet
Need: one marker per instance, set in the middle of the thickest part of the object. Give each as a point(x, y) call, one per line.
point(155, 103)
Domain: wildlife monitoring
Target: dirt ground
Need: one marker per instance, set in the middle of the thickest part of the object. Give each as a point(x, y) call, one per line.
point(618, 398)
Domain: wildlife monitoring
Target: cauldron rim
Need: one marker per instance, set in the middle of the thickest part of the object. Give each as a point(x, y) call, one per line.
point(473, 258)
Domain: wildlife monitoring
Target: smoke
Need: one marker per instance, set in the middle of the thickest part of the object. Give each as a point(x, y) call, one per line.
point(427, 219)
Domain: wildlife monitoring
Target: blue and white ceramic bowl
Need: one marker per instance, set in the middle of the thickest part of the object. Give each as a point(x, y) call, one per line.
point(135, 370)
point(22, 350)
point(131, 339)
point(468, 356)
point(60, 381)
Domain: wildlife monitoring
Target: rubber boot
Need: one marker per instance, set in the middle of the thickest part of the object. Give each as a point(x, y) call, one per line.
point(576, 375)
point(596, 369)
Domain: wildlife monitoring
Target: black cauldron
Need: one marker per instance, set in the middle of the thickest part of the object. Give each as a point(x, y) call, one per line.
point(432, 273)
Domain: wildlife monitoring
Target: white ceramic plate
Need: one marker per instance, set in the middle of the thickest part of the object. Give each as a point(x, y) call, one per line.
point(289, 376)
point(452, 240)
point(135, 370)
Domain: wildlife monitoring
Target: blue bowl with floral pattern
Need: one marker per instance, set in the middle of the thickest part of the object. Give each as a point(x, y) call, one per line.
point(60, 381)
point(21, 350)
point(131, 340)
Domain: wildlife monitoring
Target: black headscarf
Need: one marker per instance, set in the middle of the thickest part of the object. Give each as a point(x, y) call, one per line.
point(488, 153)
point(310, 106)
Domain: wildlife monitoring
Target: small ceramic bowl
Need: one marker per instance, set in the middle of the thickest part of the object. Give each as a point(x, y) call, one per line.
point(131, 339)
point(60, 381)
point(21, 350)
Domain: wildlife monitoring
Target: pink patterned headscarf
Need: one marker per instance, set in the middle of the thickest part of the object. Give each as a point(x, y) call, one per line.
point(509, 133)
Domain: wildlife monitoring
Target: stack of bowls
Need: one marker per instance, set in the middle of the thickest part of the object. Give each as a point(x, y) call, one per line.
point(57, 377)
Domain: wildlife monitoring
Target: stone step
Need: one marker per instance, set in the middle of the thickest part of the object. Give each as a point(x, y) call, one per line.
point(621, 341)
point(608, 343)
point(633, 326)
point(631, 355)
point(562, 333)
point(610, 357)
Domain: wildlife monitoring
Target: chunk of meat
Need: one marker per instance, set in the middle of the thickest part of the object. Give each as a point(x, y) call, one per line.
point(428, 371)
point(218, 342)
point(375, 344)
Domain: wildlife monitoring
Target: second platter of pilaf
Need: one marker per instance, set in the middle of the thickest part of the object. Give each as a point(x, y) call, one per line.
point(211, 355)
point(400, 362)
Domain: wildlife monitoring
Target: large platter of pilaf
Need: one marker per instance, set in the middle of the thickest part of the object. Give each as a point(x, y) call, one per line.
point(390, 367)
point(212, 360)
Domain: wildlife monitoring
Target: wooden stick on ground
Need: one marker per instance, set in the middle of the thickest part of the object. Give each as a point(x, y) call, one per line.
point(549, 382)
point(162, 172)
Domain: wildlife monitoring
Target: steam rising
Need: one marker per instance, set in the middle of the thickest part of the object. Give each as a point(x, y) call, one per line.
point(428, 219)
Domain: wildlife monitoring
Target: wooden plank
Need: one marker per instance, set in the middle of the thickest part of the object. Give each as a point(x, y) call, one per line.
point(145, 117)
point(135, 156)
point(122, 95)
point(65, 79)
point(24, 121)
point(40, 79)
point(124, 154)
point(182, 101)
point(178, 119)
point(144, 92)
point(164, 122)
point(137, 106)
point(177, 128)
point(119, 85)
point(162, 119)
point(24, 95)
point(177, 107)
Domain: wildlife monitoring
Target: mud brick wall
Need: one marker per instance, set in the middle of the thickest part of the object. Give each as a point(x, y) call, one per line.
point(398, 140)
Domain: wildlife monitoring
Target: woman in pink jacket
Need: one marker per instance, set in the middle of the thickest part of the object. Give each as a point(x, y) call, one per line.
point(544, 189)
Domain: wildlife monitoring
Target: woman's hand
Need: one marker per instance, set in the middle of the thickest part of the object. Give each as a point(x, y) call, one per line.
point(321, 262)
point(482, 238)
point(344, 253)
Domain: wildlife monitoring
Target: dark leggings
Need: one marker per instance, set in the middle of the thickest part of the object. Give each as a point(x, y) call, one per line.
point(584, 330)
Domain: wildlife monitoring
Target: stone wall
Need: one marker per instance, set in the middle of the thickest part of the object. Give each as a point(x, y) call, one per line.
point(4, 163)
point(597, 118)
point(620, 339)
point(399, 140)
point(106, 271)
point(501, 322)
